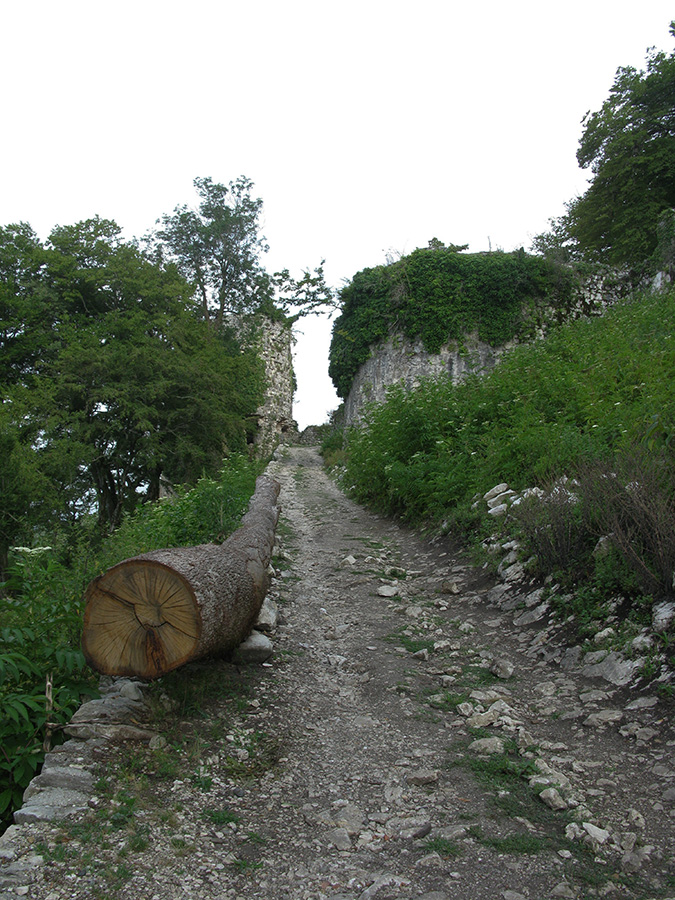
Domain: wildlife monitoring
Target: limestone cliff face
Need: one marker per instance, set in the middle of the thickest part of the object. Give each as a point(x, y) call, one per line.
point(402, 361)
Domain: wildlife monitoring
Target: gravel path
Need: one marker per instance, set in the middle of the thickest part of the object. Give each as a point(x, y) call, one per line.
point(407, 740)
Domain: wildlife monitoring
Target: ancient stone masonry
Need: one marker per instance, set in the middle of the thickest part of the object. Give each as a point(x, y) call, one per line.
point(273, 342)
point(275, 416)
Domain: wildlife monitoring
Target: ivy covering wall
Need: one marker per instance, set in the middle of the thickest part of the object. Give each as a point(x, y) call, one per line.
point(439, 295)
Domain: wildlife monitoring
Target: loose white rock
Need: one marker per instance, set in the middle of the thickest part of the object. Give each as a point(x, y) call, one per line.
point(487, 746)
point(257, 648)
point(495, 491)
point(599, 835)
point(663, 615)
point(502, 668)
point(603, 718)
point(552, 799)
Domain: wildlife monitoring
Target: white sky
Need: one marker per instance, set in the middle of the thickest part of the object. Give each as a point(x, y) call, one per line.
point(366, 125)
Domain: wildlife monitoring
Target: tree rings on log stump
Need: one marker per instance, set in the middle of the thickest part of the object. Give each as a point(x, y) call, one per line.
point(141, 618)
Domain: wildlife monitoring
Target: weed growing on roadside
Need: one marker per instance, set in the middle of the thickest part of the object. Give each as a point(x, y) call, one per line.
point(246, 865)
point(512, 843)
point(221, 816)
point(254, 838)
point(443, 847)
point(411, 644)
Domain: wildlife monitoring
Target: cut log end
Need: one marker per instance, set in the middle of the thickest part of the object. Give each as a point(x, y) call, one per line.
point(141, 618)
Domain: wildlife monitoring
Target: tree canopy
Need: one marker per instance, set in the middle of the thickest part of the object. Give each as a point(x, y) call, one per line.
point(217, 247)
point(629, 147)
point(110, 379)
point(120, 364)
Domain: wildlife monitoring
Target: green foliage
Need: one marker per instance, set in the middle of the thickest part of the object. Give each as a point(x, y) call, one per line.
point(304, 296)
point(594, 402)
point(114, 382)
point(23, 325)
point(218, 248)
point(512, 843)
point(364, 321)
point(41, 621)
point(209, 511)
point(42, 605)
point(629, 145)
point(633, 499)
point(556, 529)
point(589, 389)
point(438, 294)
point(332, 437)
point(23, 488)
point(443, 846)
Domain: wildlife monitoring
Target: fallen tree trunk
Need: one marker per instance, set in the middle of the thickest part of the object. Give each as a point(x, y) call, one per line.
point(155, 612)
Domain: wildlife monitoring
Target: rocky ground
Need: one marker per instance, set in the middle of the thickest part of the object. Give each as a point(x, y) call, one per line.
point(421, 731)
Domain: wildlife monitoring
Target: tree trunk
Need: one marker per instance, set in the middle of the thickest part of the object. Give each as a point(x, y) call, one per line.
point(107, 495)
point(155, 612)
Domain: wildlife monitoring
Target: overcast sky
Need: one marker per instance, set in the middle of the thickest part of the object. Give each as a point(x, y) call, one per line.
point(367, 126)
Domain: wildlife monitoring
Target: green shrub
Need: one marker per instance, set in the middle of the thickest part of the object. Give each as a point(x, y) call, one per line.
point(591, 389)
point(209, 511)
point(632, 499)
point(556, 529)
point(41, 610)
point(41, 620)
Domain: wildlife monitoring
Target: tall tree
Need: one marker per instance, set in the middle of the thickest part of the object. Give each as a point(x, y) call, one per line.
point(24, 490)
point(218, 247)
point(24, 316)
point(629, 146)
point(305, 296)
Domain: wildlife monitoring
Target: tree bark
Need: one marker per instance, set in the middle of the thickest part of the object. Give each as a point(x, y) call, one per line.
point(152, 613)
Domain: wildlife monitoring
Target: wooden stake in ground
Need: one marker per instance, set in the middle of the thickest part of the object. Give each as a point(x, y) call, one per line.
point(155, 612)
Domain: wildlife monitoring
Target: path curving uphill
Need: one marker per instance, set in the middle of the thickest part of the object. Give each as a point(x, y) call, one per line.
point(407, 740)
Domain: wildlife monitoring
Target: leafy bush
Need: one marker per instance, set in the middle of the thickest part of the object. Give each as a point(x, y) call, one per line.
point(41, 619)
point(557, 530)
point(629, 503)
point(332, 437)
point(633, 501)
point(41, 611)
point(209, 511)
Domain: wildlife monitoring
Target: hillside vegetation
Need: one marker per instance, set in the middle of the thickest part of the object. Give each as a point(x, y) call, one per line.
point(585, 416)
point(593, 403)
point(593, 388)
point(120, 376)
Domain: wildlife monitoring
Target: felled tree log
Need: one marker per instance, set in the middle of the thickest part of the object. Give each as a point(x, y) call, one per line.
point(155, 612)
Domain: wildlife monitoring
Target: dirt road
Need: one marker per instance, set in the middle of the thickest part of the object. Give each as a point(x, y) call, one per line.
point(407, 740)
